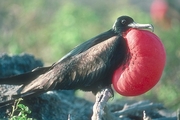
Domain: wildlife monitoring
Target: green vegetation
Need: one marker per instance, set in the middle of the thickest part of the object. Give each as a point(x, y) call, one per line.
point(19, 111)
point(49, 29)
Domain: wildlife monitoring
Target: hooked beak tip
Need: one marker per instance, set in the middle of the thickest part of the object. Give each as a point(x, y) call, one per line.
point(151, 27)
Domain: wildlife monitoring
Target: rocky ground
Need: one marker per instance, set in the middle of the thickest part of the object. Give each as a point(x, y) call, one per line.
point(65, 105)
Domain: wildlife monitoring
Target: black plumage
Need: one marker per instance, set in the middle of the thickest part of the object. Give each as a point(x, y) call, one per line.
point(88, 67)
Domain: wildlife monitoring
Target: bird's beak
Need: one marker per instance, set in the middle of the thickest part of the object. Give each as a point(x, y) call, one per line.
point(141, 26)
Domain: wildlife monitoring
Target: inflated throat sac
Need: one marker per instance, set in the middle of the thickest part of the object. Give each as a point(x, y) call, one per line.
point(144, 66)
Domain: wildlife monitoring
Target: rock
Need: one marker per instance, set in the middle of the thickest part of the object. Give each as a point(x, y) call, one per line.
point(17, 64)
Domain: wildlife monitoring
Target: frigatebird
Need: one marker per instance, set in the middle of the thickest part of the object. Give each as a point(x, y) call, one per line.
point(89, 66)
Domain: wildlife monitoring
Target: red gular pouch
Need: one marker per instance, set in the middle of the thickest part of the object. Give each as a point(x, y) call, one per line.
point(144, 64)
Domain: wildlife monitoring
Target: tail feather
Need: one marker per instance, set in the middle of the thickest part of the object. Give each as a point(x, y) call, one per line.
point(24, 78)
point(6, 103)
point(17, 96)
point(33, 83)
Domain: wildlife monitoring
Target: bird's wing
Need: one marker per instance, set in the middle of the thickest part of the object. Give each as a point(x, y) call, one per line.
point(88, 44)
point(81, 63)
point(79, 69)
point(90, 68)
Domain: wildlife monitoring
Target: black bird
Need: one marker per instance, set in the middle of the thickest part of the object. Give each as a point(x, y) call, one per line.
point(88, 67)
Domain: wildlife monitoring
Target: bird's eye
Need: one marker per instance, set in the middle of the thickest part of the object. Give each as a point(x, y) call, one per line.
point(123, 22)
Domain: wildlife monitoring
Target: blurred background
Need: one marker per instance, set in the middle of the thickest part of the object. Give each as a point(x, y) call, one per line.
point(48, 29)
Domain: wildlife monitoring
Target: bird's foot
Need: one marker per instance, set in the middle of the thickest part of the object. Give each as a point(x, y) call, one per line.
point(101, 99)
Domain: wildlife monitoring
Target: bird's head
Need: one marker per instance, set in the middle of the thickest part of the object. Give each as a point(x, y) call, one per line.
point(123, 23)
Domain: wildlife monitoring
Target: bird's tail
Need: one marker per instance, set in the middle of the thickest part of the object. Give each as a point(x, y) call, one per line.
point(17, 96)
point(7, 103)
point(22, 79)
point(25, 77)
